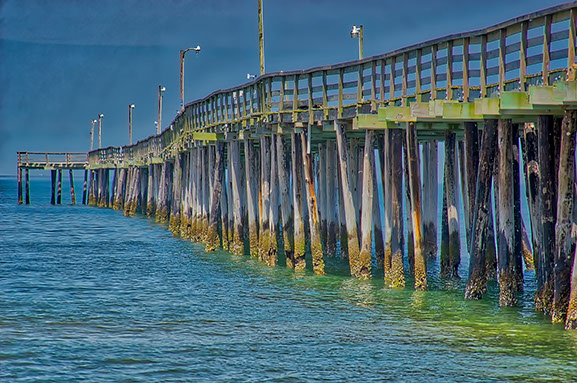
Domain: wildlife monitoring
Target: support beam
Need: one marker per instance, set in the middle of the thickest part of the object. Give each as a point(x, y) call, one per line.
point(348, 202)
point(72, 194)
point(287, 223)
point(27, 186)
point(252, 185)
point(236, 195)
point(451, 259)
point(509, 233)
point(213, 240)
point(84, 188)
point(19, 174)
point(565, 243)
point(53, 186)
point(415, 186)
point(367, 206)
point(477, 283)
point(397, 271)
point(59, 193)
point(273, 227)
point(298, 208)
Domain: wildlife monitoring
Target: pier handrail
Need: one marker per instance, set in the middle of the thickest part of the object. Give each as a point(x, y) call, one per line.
point(54, 159)
point(534, 49)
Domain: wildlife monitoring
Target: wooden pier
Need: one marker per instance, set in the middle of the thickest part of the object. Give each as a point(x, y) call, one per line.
point(342, 161)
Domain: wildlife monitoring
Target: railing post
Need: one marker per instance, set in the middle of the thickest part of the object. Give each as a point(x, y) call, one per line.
point(546, 48)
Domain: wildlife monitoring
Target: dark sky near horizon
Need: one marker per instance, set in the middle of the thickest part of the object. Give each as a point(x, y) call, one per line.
point(62, 62)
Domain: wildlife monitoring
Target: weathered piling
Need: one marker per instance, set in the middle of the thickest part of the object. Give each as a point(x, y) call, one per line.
point(151, 200)
point(114, 187)
point(120, 192)
point(59, 193)
point(387, 208)
point(298, 204)
point(236, 195)
point(451, 259)
point(285, 199)
point(163, 207)
point(321, 182)
point(252, 192)
point(273, 227)
point(350, 212)
point(223, 204)
point(430, 195)
point(91, 188)
point(410, 239)
point(342, 222)
point(72, 193)
point(84, 187)
point(565, 243)
point(397, 269)
point(311, 201)
point(509, 233)
point(264, 209)
point(19, 175)
point(131, 203)
point(367, 206)
point(415, 186)
point(213, 240)
point(548, 208)
point(464, 191)
point(186, 210)
point(174, 220)
point(27, 186)
point(477, 283)
point(378, 200)
point(53, 187)
point(471, 168)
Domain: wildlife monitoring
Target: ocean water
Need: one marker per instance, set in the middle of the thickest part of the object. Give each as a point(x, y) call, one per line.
point(87, 294)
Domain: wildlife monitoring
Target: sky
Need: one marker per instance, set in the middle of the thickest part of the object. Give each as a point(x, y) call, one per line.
point(63, 62)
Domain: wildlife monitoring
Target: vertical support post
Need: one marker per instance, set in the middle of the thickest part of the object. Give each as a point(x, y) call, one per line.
point(264, 235)
point(565, 243)
point(251, 168)
point(311, 199)
point(236, 194)
point(397, 270)
point(260, 38)
point(415, 186)
point(285, 199)
point(151, 201)
point(53, 187)
point(367, 206)
point(174, 220)
point(509, 233)
point(377, 187)
point(297, 189)
point(331, 196)
point(213, 240)
point(272, 256)
point(450, 264)
point(430, 189)
point(59, 194)
point(84, 188)
point(471, 168)
point(351, 215)
point(72, 194)
point(548, 208)
point(19, 174)
point(410, 239)
point(477, 283)
point(388, 205)
point(27, 186)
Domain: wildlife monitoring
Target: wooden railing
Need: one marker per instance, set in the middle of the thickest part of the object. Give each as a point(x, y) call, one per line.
point(62, 160)
point(535, 49)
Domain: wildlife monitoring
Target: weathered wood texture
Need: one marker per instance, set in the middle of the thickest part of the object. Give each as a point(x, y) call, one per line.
point(477, 283)
point(283, 163)
point(252, 200)
point(416, 214)
point(451, 259)
point(298, 205)
point(213, 239)
point(397, 269)
point(565, 243)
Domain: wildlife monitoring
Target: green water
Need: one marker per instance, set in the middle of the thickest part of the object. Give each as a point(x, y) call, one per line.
point(89, 295)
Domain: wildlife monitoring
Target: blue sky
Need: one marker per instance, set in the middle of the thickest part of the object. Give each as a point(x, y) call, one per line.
point(62, 62)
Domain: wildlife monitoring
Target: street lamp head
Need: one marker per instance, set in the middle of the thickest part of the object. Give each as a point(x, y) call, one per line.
point(197, 49)
point(249, 76)
point(131, 106)
point(162, 89)
point(355, 31)
point(101, 115)
point(94, 121)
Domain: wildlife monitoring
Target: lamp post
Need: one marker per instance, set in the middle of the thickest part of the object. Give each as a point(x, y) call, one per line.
point(357, 33)
point(260, 38)
point(159, 123)
point(100, 130)
point(92, 135)
point(130, 107)
point(182, 53)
